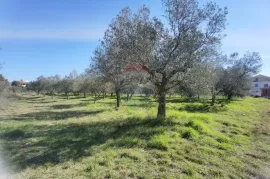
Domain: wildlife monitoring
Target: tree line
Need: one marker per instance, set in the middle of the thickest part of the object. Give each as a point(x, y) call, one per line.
point(179, 53)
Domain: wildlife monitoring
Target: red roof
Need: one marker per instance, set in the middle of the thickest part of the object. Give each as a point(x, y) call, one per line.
point(23, 82)
point(135, 68)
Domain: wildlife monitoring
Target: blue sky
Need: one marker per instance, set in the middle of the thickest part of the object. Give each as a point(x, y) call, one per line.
point(55, 37)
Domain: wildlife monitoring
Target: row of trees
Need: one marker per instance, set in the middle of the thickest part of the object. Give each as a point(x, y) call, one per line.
point(4, 86)
point(177, 55)
point(71, 84)
point(230, 77)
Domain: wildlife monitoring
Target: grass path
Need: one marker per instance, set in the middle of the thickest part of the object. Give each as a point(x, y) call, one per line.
point(57, 138)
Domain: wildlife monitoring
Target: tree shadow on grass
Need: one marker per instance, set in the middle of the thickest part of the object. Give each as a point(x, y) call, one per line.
point(35, 98)
point(143, 98)
point(33, 146)
point(68, 106)
point(40, 102)
point(202, 108)
point(141, 105)
point(88, 100)
point(185, 100)
point(51, 115)
point(176, 100)
point(32, 98)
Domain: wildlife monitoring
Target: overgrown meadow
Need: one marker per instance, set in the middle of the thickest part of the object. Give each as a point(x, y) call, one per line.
point(43, 137)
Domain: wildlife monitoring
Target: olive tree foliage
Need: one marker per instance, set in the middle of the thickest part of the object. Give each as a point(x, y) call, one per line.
point(33, 86)
point(90, 83)
point(197, 81)
point(78, 83)
point(82, 84)
point(15, 83)
point(107, 87)
point(113, 54)
point(85, 87)
point(66, 86)
point(236, 78)
point(3, 84)
point(170, 52)
point(52, 84)
point(4, 90)
point(96, 87)
point(204, 78)
point(215, 79)
point(67, 83)
point(147, 89)
point(129, 90)
point(38, 85)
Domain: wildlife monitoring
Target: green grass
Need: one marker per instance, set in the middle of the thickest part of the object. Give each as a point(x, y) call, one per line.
point(43, 137)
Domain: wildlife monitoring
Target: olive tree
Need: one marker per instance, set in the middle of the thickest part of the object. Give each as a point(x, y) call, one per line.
point(38, 85)
point(96, 86)
point(52, 84)
point(169, 53)
point(197, 81)
point(236, 78)
point(3, 84)
point(113, 54)
point(15, 83)
point(204, 78)
point(78, 83)
point(85, 84)
point(4, 91)
point(66, 84)
point(165, 52)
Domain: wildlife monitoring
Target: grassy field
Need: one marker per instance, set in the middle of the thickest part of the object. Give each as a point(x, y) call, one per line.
point(43, 137)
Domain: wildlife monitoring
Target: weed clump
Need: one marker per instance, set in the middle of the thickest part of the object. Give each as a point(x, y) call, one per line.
point(190, 133)
point(128, 142)
point(159, 142)
point(197, 125)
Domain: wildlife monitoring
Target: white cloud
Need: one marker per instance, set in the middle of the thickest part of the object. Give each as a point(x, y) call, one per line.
point(70, 34)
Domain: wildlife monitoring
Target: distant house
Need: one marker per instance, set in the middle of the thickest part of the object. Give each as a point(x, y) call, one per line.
point(21, 83)
point(260, 85)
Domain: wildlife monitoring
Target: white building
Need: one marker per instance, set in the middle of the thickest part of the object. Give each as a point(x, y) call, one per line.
point(259, 82)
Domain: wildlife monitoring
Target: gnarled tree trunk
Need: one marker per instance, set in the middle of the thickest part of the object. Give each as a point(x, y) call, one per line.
point(229, 97)
point(127, 96)
point(162, 105)
point(67, 96)
point(118, 98)
point(213, 99)
point(162, 98)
